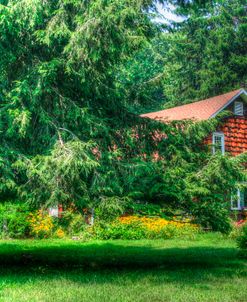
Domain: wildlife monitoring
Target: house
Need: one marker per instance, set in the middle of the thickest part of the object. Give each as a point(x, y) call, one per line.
point(231, 135)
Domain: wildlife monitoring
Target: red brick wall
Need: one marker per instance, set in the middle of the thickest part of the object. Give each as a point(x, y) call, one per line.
point(235, 131)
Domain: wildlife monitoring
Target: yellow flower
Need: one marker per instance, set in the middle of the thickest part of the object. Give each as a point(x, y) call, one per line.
point(41, 224)
point(60, 233)
point(154, 224)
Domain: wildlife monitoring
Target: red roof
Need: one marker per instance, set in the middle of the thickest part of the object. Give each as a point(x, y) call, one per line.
point(201, 110)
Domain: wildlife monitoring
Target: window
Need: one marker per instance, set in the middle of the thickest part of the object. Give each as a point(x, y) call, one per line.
point(218, 143)
point(239, 108)
point(239, 201)
point(53, 211)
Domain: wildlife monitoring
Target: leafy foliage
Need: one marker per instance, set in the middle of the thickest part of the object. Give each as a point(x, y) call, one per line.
point(134, 227)
point(41, 224)
point(110, 208)
point(207, 53)
point(58, 87)
point(14, 220)
point(73, 223)
point(213, 216)
point(60, 176)
point(71, 84)
point(242, 239)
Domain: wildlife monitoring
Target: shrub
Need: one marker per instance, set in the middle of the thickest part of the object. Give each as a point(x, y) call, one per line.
point(59, 233)
point(160, 227)
point(167, 232)
point(41, 224)
point(235, 232)
point(133, 227)
point(13, 220)
point(242, 238)
point(236, 229)
point(73, 223)
point(117, 230)
point(77, 225)
point(146, 209)
point(109, 208)
point(213, 216)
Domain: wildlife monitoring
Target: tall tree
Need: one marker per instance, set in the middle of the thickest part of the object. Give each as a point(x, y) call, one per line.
point(58, 85)
point(65, 133)
point(141, 77)
point(207, 52)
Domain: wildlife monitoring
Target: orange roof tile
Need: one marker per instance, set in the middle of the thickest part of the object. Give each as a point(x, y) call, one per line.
point(201, 110)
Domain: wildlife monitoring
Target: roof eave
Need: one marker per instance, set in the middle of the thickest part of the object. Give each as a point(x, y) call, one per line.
point(242, 91)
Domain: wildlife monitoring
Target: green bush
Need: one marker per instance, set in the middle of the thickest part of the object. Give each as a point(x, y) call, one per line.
point(242, 238)
point(13, 220)
point(171, 231)
point(235, 232)
point(213, 216)
point(72, 222)
point(77, 225)
point(41, 224)
point(109, 208)
point(136, 230)
point(146, 209)
point(117, 230)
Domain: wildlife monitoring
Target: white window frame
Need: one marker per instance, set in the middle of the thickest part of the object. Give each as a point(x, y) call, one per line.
point(238, 201)
point(236, 103)
point(222, 137)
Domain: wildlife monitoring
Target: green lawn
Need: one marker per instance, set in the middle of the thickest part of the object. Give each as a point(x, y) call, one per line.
point(207, 268)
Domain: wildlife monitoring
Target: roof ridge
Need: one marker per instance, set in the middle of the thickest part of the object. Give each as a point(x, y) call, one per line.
point(202, 100)
point(200, 110)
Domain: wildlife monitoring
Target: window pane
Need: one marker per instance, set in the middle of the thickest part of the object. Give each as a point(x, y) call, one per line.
point(235, 201)
point(243, 198)
point(218, 142)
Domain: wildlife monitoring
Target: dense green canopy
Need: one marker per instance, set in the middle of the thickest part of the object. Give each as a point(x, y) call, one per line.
point(201, 56)
point(58, 79)
point(73, 75)
point(207, 53)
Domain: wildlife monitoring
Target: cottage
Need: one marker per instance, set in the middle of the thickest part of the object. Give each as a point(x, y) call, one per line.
point(231, 135)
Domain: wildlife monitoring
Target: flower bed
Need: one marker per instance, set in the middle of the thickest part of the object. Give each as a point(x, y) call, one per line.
point(155, 224)
point(41, 224)
point(134, 227)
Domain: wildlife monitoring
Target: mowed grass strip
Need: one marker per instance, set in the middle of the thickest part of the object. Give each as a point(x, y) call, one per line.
point(207, 268)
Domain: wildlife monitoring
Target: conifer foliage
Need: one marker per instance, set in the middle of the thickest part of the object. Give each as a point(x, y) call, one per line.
point(58, 87)
point(66, 133)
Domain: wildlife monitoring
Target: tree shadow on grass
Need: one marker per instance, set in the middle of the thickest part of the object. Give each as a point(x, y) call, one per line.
point(108, 255)
point(107, 261)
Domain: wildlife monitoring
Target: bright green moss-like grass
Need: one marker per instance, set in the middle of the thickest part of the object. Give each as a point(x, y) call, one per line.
point(207, 268)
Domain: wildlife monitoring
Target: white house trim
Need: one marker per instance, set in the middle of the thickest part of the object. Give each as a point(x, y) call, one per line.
point(222, 137)
point(238, 201)
point(239, 108)
point(241, 93)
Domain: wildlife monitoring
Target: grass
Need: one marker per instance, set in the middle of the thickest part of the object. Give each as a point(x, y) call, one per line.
point(206, 268)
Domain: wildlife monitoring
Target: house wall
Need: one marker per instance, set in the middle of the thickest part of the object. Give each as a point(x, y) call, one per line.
point(235, 131)
point(234, 128)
